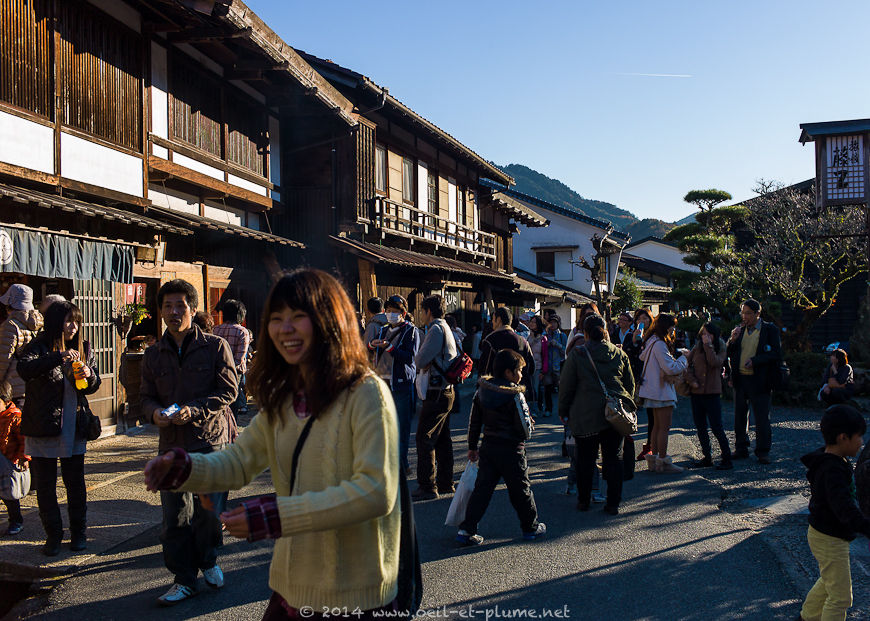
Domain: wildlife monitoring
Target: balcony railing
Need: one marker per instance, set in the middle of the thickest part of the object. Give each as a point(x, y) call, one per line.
point(407, 221)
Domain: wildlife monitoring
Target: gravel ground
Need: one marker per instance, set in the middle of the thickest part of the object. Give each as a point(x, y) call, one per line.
point(795, 433)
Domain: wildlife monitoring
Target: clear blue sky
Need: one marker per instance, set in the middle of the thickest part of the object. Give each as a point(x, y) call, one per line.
point(556, 85)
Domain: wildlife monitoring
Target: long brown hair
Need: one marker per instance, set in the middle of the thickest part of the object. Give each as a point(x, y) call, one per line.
point(336, 360)
point(661, 328)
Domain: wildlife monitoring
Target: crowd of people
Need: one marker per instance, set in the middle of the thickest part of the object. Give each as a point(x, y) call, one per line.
point(336, 401)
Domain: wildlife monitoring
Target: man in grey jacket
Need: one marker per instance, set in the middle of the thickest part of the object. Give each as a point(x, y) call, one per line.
point(434, 445)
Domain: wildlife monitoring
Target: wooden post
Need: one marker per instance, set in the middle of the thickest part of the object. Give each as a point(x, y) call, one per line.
point(368, 283)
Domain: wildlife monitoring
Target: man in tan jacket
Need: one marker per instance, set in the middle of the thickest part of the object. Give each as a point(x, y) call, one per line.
point(21, 325)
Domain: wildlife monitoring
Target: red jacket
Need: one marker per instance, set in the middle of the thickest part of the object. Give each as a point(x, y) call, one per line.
point(11, 440)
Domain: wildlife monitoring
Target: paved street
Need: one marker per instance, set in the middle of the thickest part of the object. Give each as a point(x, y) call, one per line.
point(673, 553)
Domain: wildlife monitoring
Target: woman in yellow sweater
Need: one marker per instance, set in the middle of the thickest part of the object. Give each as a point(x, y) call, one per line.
point(327, 431)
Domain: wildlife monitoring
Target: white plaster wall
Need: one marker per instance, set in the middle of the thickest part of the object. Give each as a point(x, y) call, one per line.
point(244, 183)
point(189, 162)
point(255, 221)
point(88, 162)
point(121, 11)
point(661, 253)
point(563, 231)
point(25, 143)
point(173, 199)
point(159, 97)
point(223, 213)
point(275, 155)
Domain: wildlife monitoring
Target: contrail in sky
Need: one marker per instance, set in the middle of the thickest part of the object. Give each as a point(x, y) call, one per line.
point(659, 75)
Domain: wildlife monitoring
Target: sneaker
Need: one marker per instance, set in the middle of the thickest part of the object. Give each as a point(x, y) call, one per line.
point(570, 489)
point(540, 531)
point(467, 539)
point(14, 528)
point(214, 577)
point(598, 498)
point(176, 593)
point(423, 494)
point(706, 462)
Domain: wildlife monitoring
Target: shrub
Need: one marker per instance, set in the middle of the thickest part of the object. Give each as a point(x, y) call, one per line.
point(805, 380)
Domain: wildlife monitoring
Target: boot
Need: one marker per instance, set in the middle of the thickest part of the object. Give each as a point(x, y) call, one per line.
point(52, 544)
point(644, 451)
point(651, 462)
point(53, 527)
point(77, 540)
point(667, 465)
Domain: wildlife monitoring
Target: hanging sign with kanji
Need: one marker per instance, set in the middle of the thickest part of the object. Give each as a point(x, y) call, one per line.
point(844, 170)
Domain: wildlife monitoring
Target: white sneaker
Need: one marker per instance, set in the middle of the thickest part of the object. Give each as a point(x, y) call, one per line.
point(176, 593)
point(598, 497)
point(214, 577)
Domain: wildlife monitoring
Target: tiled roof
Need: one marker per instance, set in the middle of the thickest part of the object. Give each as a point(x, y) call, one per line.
point(533, 284)
point(411, 259)
point(570, 213)
point(519, 212)
point(26, 196)
point(327, 66)
point(223, 227)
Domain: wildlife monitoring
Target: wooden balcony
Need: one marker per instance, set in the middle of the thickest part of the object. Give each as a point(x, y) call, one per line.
point(393, 218)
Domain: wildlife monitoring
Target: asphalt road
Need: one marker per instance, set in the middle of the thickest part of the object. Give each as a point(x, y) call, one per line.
point(671, 554)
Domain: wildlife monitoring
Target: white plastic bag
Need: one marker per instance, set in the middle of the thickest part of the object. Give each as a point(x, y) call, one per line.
point(456, 512)
point(421, 383)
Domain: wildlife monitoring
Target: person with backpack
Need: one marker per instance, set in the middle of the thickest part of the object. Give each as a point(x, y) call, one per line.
point(835, 518)
point(754, 353)
point(22, 323)
point(501, 411)
point(395, 348)
point(434, 444)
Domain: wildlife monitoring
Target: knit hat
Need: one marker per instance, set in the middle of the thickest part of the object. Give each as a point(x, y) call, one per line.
point(19, 297)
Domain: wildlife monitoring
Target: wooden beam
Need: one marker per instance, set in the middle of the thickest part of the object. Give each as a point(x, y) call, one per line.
point(208, 183)
point(194, 35)
point(95, 190)
point(28, 174)
point(258, 64)
point(368, 282)
point(211, 160)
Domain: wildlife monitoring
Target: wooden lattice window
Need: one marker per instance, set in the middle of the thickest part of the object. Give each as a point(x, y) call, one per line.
point(25, 44)
point(246, 136)
point(99, 62)
point(195, 106)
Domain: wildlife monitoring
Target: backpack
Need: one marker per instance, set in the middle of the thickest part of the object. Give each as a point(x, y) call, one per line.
point(862, 480)
point(458, 369)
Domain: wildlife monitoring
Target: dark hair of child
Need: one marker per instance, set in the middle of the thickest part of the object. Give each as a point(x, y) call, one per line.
point(839, 419)
point(507, 360)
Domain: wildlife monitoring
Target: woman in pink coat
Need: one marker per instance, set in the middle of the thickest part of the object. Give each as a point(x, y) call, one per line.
point(657, 393)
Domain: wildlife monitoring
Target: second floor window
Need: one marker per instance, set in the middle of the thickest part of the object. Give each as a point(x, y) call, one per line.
point(380, 169)
point(432, 193)
point(546, 263)
point(408, 180)
point(461, 211)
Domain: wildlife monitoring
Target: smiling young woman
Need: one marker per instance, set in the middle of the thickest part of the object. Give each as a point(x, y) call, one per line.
point(328, 432)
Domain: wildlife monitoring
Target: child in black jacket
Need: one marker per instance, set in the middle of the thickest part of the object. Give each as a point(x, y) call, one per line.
point(500, 408)
point(834, 514)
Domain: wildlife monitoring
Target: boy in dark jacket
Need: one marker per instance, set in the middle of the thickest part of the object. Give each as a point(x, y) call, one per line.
point(834, 515)
point(500, 408)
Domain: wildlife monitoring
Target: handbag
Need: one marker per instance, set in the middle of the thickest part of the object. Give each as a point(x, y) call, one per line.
point(88, 423)
point(620, 417)
point(14, 481)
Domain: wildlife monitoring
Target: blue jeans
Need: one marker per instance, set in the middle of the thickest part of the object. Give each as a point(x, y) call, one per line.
point(708, 408)
point(241, 402)
point(404, 400)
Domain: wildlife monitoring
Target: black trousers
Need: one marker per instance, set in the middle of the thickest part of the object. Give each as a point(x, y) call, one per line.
point(746, 398)
point(13, 509)
point(44, 473)
point(611, 443)
point(434, 444)
point(191, 535)
point(502, 461)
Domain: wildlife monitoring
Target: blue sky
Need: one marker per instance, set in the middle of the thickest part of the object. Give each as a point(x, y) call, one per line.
point(556, 85)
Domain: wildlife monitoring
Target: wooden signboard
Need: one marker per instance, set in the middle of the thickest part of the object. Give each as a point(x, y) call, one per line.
point(843, 176)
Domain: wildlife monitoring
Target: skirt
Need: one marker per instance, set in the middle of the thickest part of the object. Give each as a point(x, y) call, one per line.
point(652, 403)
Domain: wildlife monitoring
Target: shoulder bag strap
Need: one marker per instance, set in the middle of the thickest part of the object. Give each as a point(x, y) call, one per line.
point(299, 444)
point(440, 351)
point(595, 368)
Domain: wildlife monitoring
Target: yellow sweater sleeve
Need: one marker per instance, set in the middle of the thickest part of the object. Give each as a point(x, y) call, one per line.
point(372, 490)
point(235, 466)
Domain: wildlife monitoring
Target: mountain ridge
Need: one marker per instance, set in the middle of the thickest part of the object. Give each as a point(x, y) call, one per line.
point(534, 183)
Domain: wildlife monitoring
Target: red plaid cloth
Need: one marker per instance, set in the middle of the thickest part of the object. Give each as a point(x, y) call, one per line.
point(263, 519)
point(178, 473)
point(239, 339)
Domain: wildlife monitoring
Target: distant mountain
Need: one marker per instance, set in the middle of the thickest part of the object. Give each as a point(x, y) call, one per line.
point(535, 184)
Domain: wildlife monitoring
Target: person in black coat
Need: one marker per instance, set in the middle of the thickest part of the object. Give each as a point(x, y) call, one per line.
point(754, 352)
point(504, 337)
point(55, 418)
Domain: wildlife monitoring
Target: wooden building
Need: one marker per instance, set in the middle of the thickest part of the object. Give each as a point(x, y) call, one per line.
point(144, 140)
point(401, 201)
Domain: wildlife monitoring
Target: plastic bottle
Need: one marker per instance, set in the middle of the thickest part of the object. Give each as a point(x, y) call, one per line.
point(78, 373)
